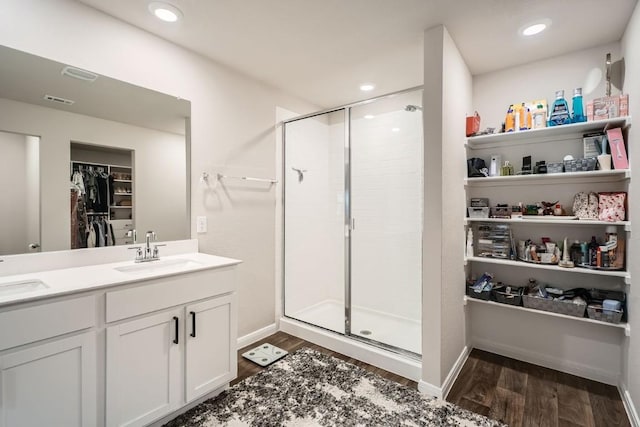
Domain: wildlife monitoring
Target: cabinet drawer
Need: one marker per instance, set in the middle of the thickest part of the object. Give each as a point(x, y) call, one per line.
point(122, 224)
point(30, 324)
point(153, 295)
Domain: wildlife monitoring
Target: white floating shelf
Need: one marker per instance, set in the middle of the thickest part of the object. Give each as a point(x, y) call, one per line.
point(624, 326)
point(522, 264)
point(555, 221)
point(548, 133)
point(550, 178)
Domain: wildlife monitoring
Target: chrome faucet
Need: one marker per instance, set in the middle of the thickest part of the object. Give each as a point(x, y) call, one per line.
point(147, 253)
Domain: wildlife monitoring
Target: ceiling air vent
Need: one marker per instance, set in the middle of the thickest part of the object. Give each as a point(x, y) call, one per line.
point(77, 73)
point(59, 100)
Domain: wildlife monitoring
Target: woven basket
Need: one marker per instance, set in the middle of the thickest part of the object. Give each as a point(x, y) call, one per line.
point(610, 316)
point(554, 306)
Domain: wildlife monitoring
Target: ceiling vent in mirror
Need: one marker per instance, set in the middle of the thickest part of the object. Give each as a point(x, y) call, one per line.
point(78, 73)
point(59, 100)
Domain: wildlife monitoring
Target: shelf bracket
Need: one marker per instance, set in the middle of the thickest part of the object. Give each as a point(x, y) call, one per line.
point(627, 330)
point(464, 300)
point(627, 227)
point(627, 279)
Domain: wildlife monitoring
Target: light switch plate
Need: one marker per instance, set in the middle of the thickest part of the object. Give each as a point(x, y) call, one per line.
point(201, 224)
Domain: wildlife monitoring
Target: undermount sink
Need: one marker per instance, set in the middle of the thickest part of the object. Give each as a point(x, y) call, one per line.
point(158, 266)
point(21, 286)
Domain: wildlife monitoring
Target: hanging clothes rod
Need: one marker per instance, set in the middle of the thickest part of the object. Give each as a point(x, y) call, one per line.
point(248, 178)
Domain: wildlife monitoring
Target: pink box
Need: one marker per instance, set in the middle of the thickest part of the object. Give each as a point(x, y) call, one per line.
point(607, 107)
point(618, 151)
point(624, 105)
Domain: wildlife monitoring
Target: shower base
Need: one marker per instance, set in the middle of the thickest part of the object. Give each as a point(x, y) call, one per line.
point(382, 327)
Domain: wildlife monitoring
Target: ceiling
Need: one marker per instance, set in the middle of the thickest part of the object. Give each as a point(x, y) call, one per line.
point(322, 50)
point(28, 78)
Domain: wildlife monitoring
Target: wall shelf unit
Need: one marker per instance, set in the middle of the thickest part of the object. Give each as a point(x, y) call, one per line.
point(551, 144)
point(548, 134)
point(624, 326)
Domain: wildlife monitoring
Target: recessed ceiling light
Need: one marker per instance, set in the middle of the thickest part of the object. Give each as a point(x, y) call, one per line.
point(165, 11)
point(395, 129)
point(535, 28)
point(369, 116)
point(366, 87)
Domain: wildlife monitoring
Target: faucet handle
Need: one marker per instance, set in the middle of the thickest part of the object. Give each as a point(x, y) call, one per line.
point(139, 254)
point(156, 251)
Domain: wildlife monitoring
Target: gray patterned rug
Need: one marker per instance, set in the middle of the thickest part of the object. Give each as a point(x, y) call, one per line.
point(309, 388)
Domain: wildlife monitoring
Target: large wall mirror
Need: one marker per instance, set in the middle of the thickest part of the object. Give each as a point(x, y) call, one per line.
point(65, 134)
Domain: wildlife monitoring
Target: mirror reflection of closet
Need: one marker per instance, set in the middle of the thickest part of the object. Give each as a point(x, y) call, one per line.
point(19, 186)
point(102, 196)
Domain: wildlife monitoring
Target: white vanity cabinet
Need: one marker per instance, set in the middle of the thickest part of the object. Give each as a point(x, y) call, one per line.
point(48, 364)
point(172, 341)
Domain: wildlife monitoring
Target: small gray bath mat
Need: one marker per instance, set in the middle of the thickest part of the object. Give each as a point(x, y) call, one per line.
point(265, 354)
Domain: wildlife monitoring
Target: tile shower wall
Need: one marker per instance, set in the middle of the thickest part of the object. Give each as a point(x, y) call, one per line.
point(314, 214)
point(386, 159)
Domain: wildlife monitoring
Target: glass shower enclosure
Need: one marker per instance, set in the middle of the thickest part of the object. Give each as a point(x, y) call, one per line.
point(353, 191)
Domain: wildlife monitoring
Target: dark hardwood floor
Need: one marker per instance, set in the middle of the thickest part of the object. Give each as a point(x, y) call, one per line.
point(522, 394)
point(517, 393)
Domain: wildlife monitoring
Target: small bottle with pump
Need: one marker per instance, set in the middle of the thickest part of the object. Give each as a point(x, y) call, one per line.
point(559, 114)
point(577, 111)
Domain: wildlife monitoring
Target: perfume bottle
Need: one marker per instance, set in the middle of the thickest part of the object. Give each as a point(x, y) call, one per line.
point(578, 107)
point(559, 114)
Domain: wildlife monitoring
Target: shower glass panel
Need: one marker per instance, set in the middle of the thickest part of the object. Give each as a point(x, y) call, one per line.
point(314, 220)
point(386, 212)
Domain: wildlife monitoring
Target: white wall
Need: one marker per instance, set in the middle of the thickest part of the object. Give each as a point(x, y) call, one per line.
point(232, 126)
point(447, 100)
point(33, 189)
point(456, 105)
point(494, 92)
point(631, 54)
point(13, 187)
point(160, 200)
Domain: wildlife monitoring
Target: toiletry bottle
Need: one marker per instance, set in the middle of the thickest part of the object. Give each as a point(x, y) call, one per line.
point(469, 243)
point(540, 117)
point(593, 251)
point(584, 251)
point(559, 114)
point(529, 119)
point(578, 108)
point(510, 120)
point(522, 115)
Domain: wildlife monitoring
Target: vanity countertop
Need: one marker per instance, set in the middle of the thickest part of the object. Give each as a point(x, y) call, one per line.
point(79, 279)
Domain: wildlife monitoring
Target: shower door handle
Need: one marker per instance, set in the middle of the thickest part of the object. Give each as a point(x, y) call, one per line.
point(353, 224)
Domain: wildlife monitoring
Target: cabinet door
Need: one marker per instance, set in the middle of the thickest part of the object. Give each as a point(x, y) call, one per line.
point(144, 369)
point(52, 384)
point(211, 345)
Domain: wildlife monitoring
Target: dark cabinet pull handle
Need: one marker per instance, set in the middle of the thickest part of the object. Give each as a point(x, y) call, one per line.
point(193, 323)
point(175, 340)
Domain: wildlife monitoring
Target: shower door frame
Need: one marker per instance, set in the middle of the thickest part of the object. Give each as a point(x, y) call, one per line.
point(348, 221)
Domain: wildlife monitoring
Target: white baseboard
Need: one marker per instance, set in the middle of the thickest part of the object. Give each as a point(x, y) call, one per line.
point(547, 361)
point(632, 413)
point(254, 336)
point(430, 389)
point(442, 392)
point(455, 371)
